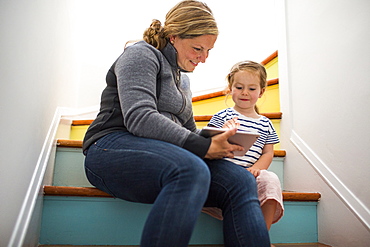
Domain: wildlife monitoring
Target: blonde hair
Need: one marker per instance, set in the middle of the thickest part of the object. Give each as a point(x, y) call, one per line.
point(252, 67)
point(187, 19)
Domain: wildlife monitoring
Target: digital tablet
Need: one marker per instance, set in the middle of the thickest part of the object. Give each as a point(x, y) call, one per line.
point(243, 138)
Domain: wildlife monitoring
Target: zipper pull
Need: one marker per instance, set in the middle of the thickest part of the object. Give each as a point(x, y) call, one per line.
point(178, 75)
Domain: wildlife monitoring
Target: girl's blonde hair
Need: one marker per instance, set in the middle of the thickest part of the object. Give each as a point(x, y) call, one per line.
point(252, 67)
point(187, 19)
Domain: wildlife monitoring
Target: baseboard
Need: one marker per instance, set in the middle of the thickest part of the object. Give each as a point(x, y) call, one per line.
point(352, 202)
point(26, 214)
point(28, 223)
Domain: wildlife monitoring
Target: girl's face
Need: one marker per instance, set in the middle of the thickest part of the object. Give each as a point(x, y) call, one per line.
point(246, 90)
point(190, 52)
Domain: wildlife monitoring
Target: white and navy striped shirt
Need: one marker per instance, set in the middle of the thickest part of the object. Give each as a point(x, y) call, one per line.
point(262, 125)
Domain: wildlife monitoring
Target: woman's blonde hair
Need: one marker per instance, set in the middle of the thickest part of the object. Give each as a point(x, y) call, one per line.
point(187, 19)
point(252, 67)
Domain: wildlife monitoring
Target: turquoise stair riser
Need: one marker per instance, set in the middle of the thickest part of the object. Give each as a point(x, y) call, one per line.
point(298, 225)
point(277, 166)
point(69, 168)
point(108, 221)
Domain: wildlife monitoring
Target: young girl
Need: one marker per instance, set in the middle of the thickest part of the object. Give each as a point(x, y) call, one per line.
point(246, 84)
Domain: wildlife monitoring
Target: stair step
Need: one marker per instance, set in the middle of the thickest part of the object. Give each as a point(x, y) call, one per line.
point(79, 127)
point(270, 115)
point(94, 192)
point(270, 58)
point(88, 216)
point(302, 245)
point(203, 245)
point(69, 165)
point(78, 144)
point(270, 82)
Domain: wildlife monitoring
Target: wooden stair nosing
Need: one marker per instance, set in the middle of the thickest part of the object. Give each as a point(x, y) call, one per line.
point(203, 245)
point(78, 144)
point(82, 122)
point(270, 115)
point(270, 82)
point(209, 96)
point(94, 192)
point(200, 118)
point(270, 58)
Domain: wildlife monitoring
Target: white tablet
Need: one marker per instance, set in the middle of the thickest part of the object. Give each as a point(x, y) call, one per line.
point(243, 138)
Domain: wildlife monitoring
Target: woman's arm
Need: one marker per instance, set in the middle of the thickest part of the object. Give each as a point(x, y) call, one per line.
point(137, 74)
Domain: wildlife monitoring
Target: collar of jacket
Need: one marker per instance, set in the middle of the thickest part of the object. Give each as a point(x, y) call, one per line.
point(170, 53)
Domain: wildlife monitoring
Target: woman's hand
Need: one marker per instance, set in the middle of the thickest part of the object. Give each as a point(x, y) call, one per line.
point(221, 148)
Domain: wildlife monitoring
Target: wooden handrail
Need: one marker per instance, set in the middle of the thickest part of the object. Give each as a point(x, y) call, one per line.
point(94, 192)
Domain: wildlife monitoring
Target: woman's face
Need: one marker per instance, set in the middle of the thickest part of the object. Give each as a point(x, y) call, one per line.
point(192, 51)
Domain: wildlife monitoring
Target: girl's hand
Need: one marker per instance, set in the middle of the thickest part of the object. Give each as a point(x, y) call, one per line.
point(255, 171)
point(221, 148)
point(232, 123)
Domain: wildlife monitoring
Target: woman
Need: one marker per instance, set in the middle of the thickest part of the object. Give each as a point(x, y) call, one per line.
point(144, 146)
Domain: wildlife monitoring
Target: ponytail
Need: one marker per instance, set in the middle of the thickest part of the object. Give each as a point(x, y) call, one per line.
point(154, 35)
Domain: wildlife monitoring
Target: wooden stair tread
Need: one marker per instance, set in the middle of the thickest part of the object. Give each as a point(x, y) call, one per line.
point(270, 58)
point(94, 192)
point(224, 92)
point(82, 122)
point(270, 115)
point(78, 144)
point(202, 245)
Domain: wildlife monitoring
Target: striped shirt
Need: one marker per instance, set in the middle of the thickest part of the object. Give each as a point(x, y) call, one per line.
point(262, 125)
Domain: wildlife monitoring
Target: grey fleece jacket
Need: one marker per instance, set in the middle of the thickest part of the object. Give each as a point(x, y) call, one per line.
point(148, 96)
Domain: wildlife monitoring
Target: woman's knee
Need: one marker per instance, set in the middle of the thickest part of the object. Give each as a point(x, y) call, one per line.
point(231, 182)
point(196, 171)
point(238, 177)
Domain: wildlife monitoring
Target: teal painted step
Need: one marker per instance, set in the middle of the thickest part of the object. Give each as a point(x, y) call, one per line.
point(109, 221)
point(69, 168)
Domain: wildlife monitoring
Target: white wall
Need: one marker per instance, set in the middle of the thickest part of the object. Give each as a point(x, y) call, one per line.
point(36, 76)
point(247, 31)
point(325, 99)
point(55, 53)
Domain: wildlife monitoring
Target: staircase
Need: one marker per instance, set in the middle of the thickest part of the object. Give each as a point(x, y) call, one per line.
point(76, 213)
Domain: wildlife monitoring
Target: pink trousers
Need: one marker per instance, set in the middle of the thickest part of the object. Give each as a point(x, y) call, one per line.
point(268, 186)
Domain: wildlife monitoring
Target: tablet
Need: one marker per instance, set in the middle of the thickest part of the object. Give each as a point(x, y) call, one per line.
point(243, 138)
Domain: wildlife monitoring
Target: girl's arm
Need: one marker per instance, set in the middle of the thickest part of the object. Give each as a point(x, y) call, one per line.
point(264, 161)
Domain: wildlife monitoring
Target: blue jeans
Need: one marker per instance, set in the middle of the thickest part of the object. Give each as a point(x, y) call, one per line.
point(178, 184)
